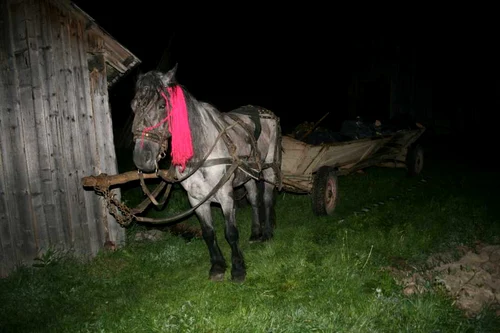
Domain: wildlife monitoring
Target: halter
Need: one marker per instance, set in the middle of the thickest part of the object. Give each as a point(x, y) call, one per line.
point(151, 135)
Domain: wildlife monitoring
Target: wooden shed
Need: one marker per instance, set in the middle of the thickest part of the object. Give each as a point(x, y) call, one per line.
point(56, 65)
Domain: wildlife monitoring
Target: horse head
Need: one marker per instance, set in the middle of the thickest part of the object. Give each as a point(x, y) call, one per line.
point(160, 113)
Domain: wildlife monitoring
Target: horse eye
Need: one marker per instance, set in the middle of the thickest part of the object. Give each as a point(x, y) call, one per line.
point(161, 107)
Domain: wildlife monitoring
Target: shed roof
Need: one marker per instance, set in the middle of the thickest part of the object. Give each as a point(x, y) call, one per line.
point(119, 59)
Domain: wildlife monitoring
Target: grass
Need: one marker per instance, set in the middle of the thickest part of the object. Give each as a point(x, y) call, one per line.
point(319, 274)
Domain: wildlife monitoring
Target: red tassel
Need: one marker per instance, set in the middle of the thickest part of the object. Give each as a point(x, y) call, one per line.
point(178, 125)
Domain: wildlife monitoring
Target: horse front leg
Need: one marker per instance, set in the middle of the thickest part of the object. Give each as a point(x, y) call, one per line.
point(238, 269)
point(218, 268)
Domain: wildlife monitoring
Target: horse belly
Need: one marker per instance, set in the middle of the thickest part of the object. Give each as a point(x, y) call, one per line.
point(202, 182)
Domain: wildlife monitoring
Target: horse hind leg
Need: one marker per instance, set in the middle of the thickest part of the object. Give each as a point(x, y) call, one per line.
point(218, 263)
point(238, 268)
point(255, 198)
point(269, 201)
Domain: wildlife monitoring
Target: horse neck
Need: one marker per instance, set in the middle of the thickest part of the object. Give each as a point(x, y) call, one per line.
point(203, 118)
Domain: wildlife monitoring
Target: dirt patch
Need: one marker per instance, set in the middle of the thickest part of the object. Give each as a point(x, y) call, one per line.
point(471, 276)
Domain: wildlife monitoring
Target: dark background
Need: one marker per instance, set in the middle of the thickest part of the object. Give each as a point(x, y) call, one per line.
point(299, 62)
point(291, 67)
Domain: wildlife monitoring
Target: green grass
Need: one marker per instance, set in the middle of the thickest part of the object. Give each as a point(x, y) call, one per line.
point(319, 274)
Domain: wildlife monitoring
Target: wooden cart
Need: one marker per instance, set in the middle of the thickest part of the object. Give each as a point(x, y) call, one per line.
point(305, 168)
point(314, 169)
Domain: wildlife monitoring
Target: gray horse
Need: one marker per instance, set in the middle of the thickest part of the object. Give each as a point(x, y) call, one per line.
point(213, 153)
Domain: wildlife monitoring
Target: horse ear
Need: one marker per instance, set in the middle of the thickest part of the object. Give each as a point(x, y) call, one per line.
point(138, 74)
point(169, 77)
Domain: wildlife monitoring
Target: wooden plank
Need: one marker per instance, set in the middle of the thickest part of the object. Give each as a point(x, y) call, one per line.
point(340, 155)
point(298, 184)
point(92, 225)
point(71, 135)
point(51, 179)
point(302, 158)
point(22, 74)
point(97, 73)
point(6, 249)
point(61, 127)
point(7, 239)
point(17, 183)
point(105, 180)
point(52, 51)
point(64, 128)
point(35, 132)
point(105, 142)
point(17, 26)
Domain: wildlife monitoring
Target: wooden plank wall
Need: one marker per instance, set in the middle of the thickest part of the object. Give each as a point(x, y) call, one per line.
point(55, 128)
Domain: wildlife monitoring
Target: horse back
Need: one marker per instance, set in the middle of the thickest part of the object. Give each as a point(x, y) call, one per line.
point(256, 124)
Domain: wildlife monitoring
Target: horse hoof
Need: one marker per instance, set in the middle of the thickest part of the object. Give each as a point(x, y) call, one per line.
point(238, 278)
point(266, 237)
point(255, 238)
point(217, 277)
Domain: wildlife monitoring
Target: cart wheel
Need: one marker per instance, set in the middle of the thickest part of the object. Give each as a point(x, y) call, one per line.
point(325, 191)
point(415, 160)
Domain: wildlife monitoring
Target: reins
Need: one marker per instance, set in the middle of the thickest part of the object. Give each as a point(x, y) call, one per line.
point(236, 163)
point(221, 182)
point(172, 179)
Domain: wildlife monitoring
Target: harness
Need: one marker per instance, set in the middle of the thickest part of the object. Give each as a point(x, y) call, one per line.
point(253, 114)
point(251, 167)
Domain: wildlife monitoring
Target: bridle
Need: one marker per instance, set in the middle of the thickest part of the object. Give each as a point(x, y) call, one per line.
point(160, 138)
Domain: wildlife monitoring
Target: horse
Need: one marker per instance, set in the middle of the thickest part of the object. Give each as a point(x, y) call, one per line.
point(213, 154)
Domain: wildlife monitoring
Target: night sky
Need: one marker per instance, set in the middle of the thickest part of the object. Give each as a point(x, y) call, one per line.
point(299, 64)
point(288, 67)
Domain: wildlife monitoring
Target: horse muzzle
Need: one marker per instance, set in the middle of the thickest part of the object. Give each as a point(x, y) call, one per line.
point(145, 155)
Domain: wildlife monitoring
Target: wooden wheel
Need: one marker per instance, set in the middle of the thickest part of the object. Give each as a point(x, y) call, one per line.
point(415, 160)
point(325, 191)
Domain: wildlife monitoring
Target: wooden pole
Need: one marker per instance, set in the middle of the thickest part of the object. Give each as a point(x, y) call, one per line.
point(103, 180)
point(315, 125)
